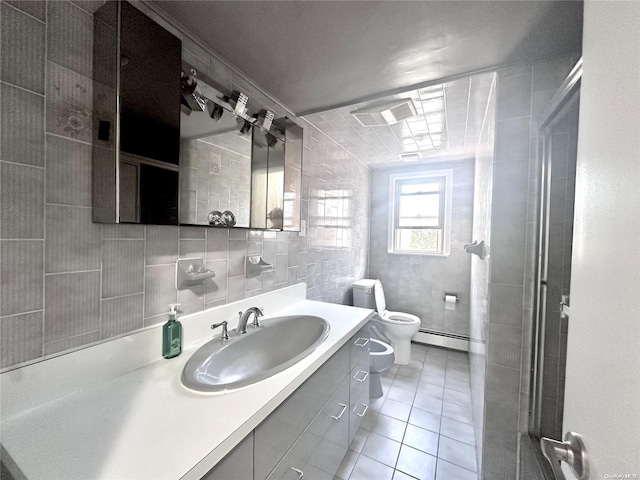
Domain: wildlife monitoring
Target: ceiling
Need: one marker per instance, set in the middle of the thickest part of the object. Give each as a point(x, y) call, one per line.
point(447, 125)
point(318, 55)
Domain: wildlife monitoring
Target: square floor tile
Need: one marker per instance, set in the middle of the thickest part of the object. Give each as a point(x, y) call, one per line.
point(458, 372)
point(406, 383)
point(457, 412)
point(389, 427)
point(449, 471)
point(431, 404)
point(413, 370)
point(421, 439)
point(455, 396)
point(395, 409)
point(400, 394)
point(416, 463)
point(430, 390)
point(434, 366)
point(398, 475)
point(458, 453)
point(382, 449)
point(425, 419)
point(460, 431)
point(418, 352)
point(460, 385)
point(368, 469)
point(434, 378)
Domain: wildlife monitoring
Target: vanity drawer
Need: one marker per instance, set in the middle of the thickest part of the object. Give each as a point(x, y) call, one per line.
point(358, 394)
point(318, 452)
point(359, 346)
point(276, 434)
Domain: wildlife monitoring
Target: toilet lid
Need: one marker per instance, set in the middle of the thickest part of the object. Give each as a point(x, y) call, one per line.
point(378, 292)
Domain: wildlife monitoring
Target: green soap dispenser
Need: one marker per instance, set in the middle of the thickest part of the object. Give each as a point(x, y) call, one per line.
point(172, 334)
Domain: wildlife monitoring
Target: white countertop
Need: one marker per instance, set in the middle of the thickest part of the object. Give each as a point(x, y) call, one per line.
point(142, 423)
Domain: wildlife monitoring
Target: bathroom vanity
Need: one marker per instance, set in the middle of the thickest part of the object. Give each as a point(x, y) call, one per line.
point(118, 410)
point(310, 432)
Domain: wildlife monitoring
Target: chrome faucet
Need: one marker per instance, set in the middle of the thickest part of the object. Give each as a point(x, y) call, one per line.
point(244, 318)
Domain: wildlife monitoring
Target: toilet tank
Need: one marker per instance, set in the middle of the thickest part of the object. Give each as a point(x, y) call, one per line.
point(363, 295)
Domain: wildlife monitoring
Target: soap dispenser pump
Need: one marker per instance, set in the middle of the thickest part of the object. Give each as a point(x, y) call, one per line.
point(172, 334)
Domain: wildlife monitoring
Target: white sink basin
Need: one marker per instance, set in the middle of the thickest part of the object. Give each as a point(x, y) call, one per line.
point(258, 354)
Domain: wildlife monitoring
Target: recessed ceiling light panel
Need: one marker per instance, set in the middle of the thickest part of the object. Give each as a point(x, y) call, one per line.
point(385, 114)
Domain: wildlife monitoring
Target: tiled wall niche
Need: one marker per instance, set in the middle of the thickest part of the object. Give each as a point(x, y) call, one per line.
point(416, 283)
point(66, 282)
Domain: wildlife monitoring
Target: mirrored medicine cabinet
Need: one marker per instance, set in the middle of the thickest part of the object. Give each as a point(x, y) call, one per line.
point(172, 147)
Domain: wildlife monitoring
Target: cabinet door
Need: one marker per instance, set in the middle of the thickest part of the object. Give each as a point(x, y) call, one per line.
point(237, 465)
point(275, 436)
point(318, 452)
point(358, 395)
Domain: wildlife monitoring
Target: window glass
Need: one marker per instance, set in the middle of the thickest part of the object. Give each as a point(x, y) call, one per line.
point(419, 221)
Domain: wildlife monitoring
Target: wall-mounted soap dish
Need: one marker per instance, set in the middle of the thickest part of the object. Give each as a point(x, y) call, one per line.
point(254, 265)
point(190, 272)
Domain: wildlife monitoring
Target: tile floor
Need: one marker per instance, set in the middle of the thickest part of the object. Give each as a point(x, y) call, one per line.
point(422, 428)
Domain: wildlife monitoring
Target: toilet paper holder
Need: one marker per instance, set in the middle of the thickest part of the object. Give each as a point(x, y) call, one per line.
point(452, 297)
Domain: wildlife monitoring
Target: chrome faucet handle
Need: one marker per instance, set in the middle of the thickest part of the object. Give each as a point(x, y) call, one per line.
point(225, 333)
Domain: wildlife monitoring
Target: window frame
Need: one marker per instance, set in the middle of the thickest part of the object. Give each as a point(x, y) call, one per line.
point(395, 181)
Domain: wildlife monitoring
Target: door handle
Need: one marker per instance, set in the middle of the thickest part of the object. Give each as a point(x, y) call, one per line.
point(565, 310)
point(571, 451)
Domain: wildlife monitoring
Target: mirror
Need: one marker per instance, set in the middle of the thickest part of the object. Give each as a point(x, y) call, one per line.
point(135, 153)
point(215, 168)
point(228, 163)
point(171, 147)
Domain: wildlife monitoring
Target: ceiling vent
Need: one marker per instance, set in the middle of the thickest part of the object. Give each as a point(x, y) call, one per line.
point(410, 157)
point(385, 114)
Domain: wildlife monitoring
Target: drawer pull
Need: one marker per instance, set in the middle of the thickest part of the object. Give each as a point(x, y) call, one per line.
point(344, 407)
point(366, 407)
point(361, 342)
point(298, 471)
point(363, 376)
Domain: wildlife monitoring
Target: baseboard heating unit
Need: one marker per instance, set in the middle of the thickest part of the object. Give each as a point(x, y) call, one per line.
point(442, 339)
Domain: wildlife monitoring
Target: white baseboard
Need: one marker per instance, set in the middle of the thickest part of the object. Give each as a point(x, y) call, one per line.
point(441, 341)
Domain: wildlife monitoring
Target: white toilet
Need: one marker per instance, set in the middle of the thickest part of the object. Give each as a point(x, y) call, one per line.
point(398, 327)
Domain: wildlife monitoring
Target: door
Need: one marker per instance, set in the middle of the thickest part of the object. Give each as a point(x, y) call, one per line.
point(602, 389)
point(558, 147)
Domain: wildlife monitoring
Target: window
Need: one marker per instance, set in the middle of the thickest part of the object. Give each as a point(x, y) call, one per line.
point(420, 213)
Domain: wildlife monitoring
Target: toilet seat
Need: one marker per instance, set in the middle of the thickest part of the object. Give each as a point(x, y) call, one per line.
point(398, 327)
point(399, 318)
point(395, 318)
